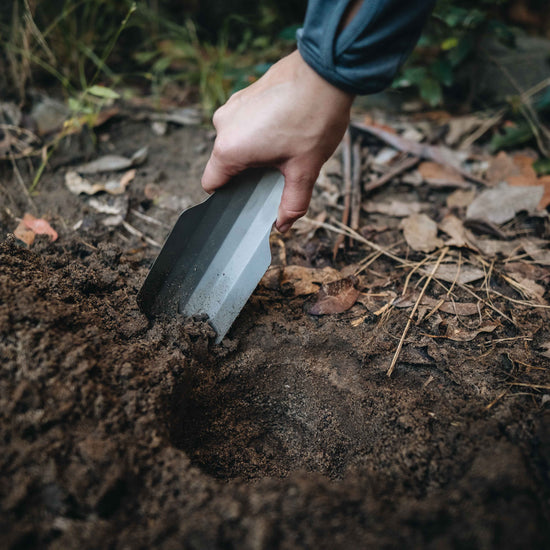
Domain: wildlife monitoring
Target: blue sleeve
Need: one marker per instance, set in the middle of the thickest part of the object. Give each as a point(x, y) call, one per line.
point(365, 56)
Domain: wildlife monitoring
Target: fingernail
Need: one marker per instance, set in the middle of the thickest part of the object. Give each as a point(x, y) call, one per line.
point(284, 228)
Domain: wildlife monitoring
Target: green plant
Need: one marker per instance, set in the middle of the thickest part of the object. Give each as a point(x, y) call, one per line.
point(448, 41)
point(214, 69)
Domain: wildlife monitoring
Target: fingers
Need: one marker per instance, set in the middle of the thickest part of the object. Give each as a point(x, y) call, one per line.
point(217, 173)
point(296, 197)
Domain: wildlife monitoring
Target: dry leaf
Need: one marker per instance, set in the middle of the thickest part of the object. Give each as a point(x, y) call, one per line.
point(501, 168)
point(461, 309)
point(421, 233)
point(465, 309)
point(461, 198)
point(37, 226)
point(395, 208)
point(441, 176)
point(460, 126)
point(301, 281)
point(439, 154)
point(501, 204)
point(113, 163)
point(450, 273)
point(460, 236)
point(540, 256)
point(527, 174)
point(524, 275)
point(272, 277)
point(24, 234)
point(76, 184)
point(335, 297)
point(462, 334)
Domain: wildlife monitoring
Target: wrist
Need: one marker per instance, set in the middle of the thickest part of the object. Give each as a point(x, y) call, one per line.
point(306, 74)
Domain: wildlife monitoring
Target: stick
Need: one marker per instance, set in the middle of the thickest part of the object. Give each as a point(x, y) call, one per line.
point(356, 186)
point(406, 164)
point(409, 322)
point(346, 157)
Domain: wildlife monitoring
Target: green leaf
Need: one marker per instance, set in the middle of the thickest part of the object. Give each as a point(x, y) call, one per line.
point(449, 43)
point(411, 76)
point(430, 91)
point(542, 166)
point(442, 70)
point(161, 65)
point(102, 91)
point(513, 136)
point(145, 57)
point(458, 54)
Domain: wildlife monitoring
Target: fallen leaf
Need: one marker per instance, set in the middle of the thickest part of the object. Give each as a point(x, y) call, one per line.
point(465, 309)
point(463, 274)
point(455, 229)
point(335, 297)
point(524, 275)
point(113, 163)
point(395, 208)
point(420, 232)
point(77, 184)
point(526, 175)
point(439, 154)
point(271, 279)
point(186, 116)
point(462, 334)
point(501, 204)
point(36, 226)
point(501, 168)
point(461, 198)
point(441, 176)
point(540, 256)
point(460, 126)
point(301, 281)
point(24, 234)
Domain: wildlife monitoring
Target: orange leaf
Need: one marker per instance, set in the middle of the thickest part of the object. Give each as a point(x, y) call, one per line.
point(39, 226)
point(23, 233)
point(335, 297)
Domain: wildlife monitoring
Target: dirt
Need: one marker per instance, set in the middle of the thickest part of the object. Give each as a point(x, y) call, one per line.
point(118, 432)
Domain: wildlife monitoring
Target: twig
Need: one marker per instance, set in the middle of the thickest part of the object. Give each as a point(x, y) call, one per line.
point(406, 164)
point(347, 232)
point(355, 206)
point(409, 322)
point(346, 158)
point(148, 219)
point(485, 127)
point(136, 232)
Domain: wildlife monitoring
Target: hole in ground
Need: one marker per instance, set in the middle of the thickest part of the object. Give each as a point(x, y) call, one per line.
point(250, 420)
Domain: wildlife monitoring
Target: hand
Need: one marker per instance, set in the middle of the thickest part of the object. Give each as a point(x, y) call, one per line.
point(290, 119)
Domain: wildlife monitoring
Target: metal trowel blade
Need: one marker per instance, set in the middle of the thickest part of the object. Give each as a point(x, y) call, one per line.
point(216, 253)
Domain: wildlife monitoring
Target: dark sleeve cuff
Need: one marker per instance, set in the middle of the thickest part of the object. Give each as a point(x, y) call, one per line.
point(366, 55)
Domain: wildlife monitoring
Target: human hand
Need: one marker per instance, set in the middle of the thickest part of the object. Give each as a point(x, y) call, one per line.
point(291, 119)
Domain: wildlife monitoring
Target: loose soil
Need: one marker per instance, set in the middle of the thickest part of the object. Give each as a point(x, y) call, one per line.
point(118, 432)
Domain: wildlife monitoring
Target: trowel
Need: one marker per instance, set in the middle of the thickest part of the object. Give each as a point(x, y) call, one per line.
point(216, 253)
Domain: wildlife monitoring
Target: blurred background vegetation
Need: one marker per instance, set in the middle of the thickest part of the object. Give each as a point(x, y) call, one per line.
point(212, 48)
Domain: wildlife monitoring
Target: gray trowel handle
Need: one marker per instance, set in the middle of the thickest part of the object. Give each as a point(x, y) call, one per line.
point(217, 252)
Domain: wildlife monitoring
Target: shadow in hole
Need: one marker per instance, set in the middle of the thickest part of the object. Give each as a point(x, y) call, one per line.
point(266, 423)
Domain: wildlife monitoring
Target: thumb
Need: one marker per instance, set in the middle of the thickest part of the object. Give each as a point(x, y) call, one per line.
point(295, 200)
point(217, 172)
